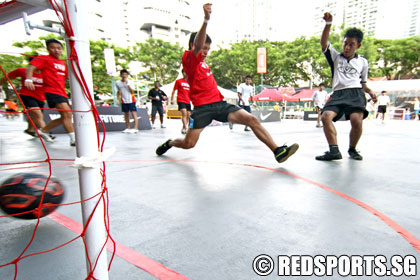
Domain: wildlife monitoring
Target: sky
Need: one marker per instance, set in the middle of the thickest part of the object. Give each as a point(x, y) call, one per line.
point(289, 21)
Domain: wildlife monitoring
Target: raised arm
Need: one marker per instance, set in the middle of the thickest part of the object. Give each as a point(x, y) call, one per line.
point(200, 39)
point(326, 32)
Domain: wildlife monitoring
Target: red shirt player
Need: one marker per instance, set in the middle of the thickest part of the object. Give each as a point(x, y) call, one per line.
point(182, 87)
point(54, 72)
point(32, 99)
point(208, 102)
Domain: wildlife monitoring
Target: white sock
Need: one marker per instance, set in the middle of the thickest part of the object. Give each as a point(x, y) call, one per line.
point(72, 136)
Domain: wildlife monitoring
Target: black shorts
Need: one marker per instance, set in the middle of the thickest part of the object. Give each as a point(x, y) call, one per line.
point(157, 108)
point(345, 102)
point(54, 99)
point(246, 108)
point(31, 102)
point(203, 115)
point(128, 107)
point(382, 109)
point(182, 105)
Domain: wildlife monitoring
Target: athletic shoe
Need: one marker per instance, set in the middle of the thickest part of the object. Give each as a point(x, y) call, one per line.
point(32, 133)
point(127, 130)
point(163, 148)
point(355, 155)
point(318, 125)
point(183, 131)
point(153, 126)
point(133, 131)
point(230, 125)
point(51, 135)
point(247, 129)
point(284, 152)
point(45, 136)
point(162, 126)
point(327, 156)
point(72, 142)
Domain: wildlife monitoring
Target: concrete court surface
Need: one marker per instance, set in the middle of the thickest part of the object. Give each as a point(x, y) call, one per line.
point(208, 212)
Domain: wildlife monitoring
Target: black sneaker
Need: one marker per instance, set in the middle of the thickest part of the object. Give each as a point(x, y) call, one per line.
point(32, 133)
point(329, 156)
point(163, 148)
point(283, 153)
point(52, 135)
point(355, 155)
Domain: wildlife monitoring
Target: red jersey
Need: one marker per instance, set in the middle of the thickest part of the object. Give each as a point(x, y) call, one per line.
point(54, 72)
point(183, 88)
point(38, 93)
point(203, 85)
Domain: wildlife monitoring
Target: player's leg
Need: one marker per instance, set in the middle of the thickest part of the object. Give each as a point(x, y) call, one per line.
point(127, 120)
point(160, 110)
point(356, 121)
point(281, 153)
point(331, 134)
point(36, 115)
point(187, 142)
point(184, 119)
point(153, 115)
point(136, 121)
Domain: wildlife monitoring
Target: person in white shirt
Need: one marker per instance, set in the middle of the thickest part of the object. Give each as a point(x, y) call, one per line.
point(383, 103)
point(125, 96)
point(320, 98)
point(245, 91)
point(349, 76)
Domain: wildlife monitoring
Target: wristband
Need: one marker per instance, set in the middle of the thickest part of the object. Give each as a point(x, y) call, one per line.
point(328, 22)
point(206, 20)
point(29, 80)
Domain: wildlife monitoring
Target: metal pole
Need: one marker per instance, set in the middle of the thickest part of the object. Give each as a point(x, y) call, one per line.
point(114, 91)
point(86, 144)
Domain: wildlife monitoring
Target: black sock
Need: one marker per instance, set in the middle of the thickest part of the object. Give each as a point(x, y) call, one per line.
point(334, 149)
point(352, 149)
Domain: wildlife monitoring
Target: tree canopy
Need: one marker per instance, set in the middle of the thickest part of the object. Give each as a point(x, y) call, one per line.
point(288, 63)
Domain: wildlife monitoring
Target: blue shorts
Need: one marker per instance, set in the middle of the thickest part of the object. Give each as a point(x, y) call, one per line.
point(129, 107)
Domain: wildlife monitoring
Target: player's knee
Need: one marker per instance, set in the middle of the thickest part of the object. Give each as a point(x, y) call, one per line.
point(189, 144)
point(252, 120)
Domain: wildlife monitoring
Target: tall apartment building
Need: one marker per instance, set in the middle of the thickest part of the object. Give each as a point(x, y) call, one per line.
point(128, 21)
point(386, 19)
point(254, 20)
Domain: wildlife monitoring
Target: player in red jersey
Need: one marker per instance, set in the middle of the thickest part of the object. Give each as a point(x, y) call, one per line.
point(54, 72)
point(208, 101)
point(32, 99)
point(183, 99)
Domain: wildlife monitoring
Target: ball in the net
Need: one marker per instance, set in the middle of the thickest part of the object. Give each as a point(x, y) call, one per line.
point(23, 192)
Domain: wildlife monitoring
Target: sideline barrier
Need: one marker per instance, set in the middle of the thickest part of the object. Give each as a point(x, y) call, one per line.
point(112, 117)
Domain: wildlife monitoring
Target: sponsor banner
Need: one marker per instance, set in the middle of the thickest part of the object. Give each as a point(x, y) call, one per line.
point(310, 116)
point(261, 60)
point(267, 116)
point(112, 117)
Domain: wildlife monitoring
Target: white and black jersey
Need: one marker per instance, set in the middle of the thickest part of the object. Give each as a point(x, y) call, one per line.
point(346, 73)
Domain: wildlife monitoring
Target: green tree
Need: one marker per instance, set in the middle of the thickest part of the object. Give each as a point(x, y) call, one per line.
point(160, 58)
point(102, 80)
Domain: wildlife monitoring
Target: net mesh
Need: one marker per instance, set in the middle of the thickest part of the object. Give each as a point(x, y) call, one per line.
point(101, 197)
